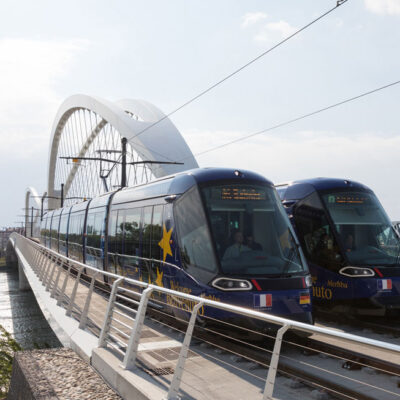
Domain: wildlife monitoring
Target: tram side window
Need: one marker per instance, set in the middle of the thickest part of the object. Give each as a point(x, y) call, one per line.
point(146, 232)
point(194, 236)
point(54, 232)
point(315, 233)
point(98, 229)
point(112, 230)
point(132, 232)
point(89, 229)
point(114, 241)
point(47, 232)
point(94, 229)
point(43, 230)
point(63, 234)
point(75, 235)
point(157, 233)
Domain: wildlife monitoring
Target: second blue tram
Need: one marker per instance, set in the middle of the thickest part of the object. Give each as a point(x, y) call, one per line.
point(217, 233)
point(351, 246)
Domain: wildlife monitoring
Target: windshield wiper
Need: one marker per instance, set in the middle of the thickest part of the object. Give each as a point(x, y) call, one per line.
point(289, 259)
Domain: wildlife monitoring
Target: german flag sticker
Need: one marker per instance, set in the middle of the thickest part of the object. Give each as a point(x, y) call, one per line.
point(305, 298)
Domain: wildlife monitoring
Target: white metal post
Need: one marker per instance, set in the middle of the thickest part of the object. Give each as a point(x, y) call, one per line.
point(55, 287)
point(73, 294)
point(47, 272)
point(176, 380)
point(51, 275)
point(39, 262)
point(64, 286)
point(107, 319)
point(273, 365)
point(42, 261)
point(82, 322)
point(35, 257)
point(45, 267)
point(133, 344)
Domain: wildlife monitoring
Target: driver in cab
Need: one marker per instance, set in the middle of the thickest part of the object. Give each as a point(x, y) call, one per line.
point(236, 248)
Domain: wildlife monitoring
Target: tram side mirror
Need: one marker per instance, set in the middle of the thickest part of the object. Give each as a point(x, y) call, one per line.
point(288, 203)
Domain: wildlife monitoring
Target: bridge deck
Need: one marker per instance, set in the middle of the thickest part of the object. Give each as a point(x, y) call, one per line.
point(209, 374)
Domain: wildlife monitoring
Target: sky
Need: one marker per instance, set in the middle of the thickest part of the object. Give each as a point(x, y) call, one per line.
point(166, 52)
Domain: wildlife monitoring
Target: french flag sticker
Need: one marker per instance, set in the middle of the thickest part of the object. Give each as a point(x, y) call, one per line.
point(385, 284)
point(263, 300)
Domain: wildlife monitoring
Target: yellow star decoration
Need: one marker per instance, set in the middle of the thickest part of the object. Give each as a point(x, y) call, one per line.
point(164, 242)
point(158, 281)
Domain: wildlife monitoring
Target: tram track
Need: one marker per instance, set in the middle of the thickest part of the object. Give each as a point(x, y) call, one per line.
point(381, 325)
point(293, 348)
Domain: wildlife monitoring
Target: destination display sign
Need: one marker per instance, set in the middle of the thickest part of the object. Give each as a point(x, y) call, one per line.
point(348, 198)
point(242, 193)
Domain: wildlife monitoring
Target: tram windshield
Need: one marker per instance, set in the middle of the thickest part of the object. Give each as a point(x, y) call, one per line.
point(251, 230)
point(365, 232)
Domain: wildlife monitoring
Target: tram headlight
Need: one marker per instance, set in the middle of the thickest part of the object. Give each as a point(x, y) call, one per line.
point(231, 284)
point(308, 281)
point(357, 272)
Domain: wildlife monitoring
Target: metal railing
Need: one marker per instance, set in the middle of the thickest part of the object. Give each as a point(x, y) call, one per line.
point(55, 271)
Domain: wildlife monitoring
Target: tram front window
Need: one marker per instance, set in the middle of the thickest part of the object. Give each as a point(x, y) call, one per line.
point(251, 230)
point(365, 231)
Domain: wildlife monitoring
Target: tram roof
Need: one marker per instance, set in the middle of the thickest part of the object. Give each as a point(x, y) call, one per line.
point(301, 188)
point(181, 182)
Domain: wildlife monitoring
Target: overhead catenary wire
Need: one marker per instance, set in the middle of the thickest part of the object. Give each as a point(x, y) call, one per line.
point(236, 71)
point(290, 121)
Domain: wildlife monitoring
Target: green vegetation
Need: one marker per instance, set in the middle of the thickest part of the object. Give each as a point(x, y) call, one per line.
point(8, 346)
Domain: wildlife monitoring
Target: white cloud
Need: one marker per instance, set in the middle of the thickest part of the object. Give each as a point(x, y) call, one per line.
point(274, 31)
point(383, 7)
point(29, 71)
point(266, 31)
point(368, 158)
point(252, 18)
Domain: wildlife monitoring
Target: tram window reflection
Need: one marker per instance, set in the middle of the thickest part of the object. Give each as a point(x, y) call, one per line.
point(316, 234)
point(251, 230)
point(194, 236)
point(363, 228)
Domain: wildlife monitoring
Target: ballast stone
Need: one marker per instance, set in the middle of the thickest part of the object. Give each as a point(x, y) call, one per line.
point(56, 374)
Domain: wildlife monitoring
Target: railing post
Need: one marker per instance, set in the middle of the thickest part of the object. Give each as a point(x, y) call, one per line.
point(273, 365)
point(176, 380)
point(107, 319)
point(46, 266)
point(82, 322)
point(41, 261)
point(48, 285)
point(60, 268)
point(35, 256)
point(133, 344)
point(73, 294)
point(64, 286)
point(37, 260)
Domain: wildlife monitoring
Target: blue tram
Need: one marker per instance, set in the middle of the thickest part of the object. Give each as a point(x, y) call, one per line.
point(351, 247)
point(217, 233)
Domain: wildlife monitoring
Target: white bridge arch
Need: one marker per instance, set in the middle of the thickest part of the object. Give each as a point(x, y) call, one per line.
point(86, 126)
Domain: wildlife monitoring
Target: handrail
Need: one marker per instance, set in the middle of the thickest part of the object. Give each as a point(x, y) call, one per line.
point(44, 256)
point(237, 309)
